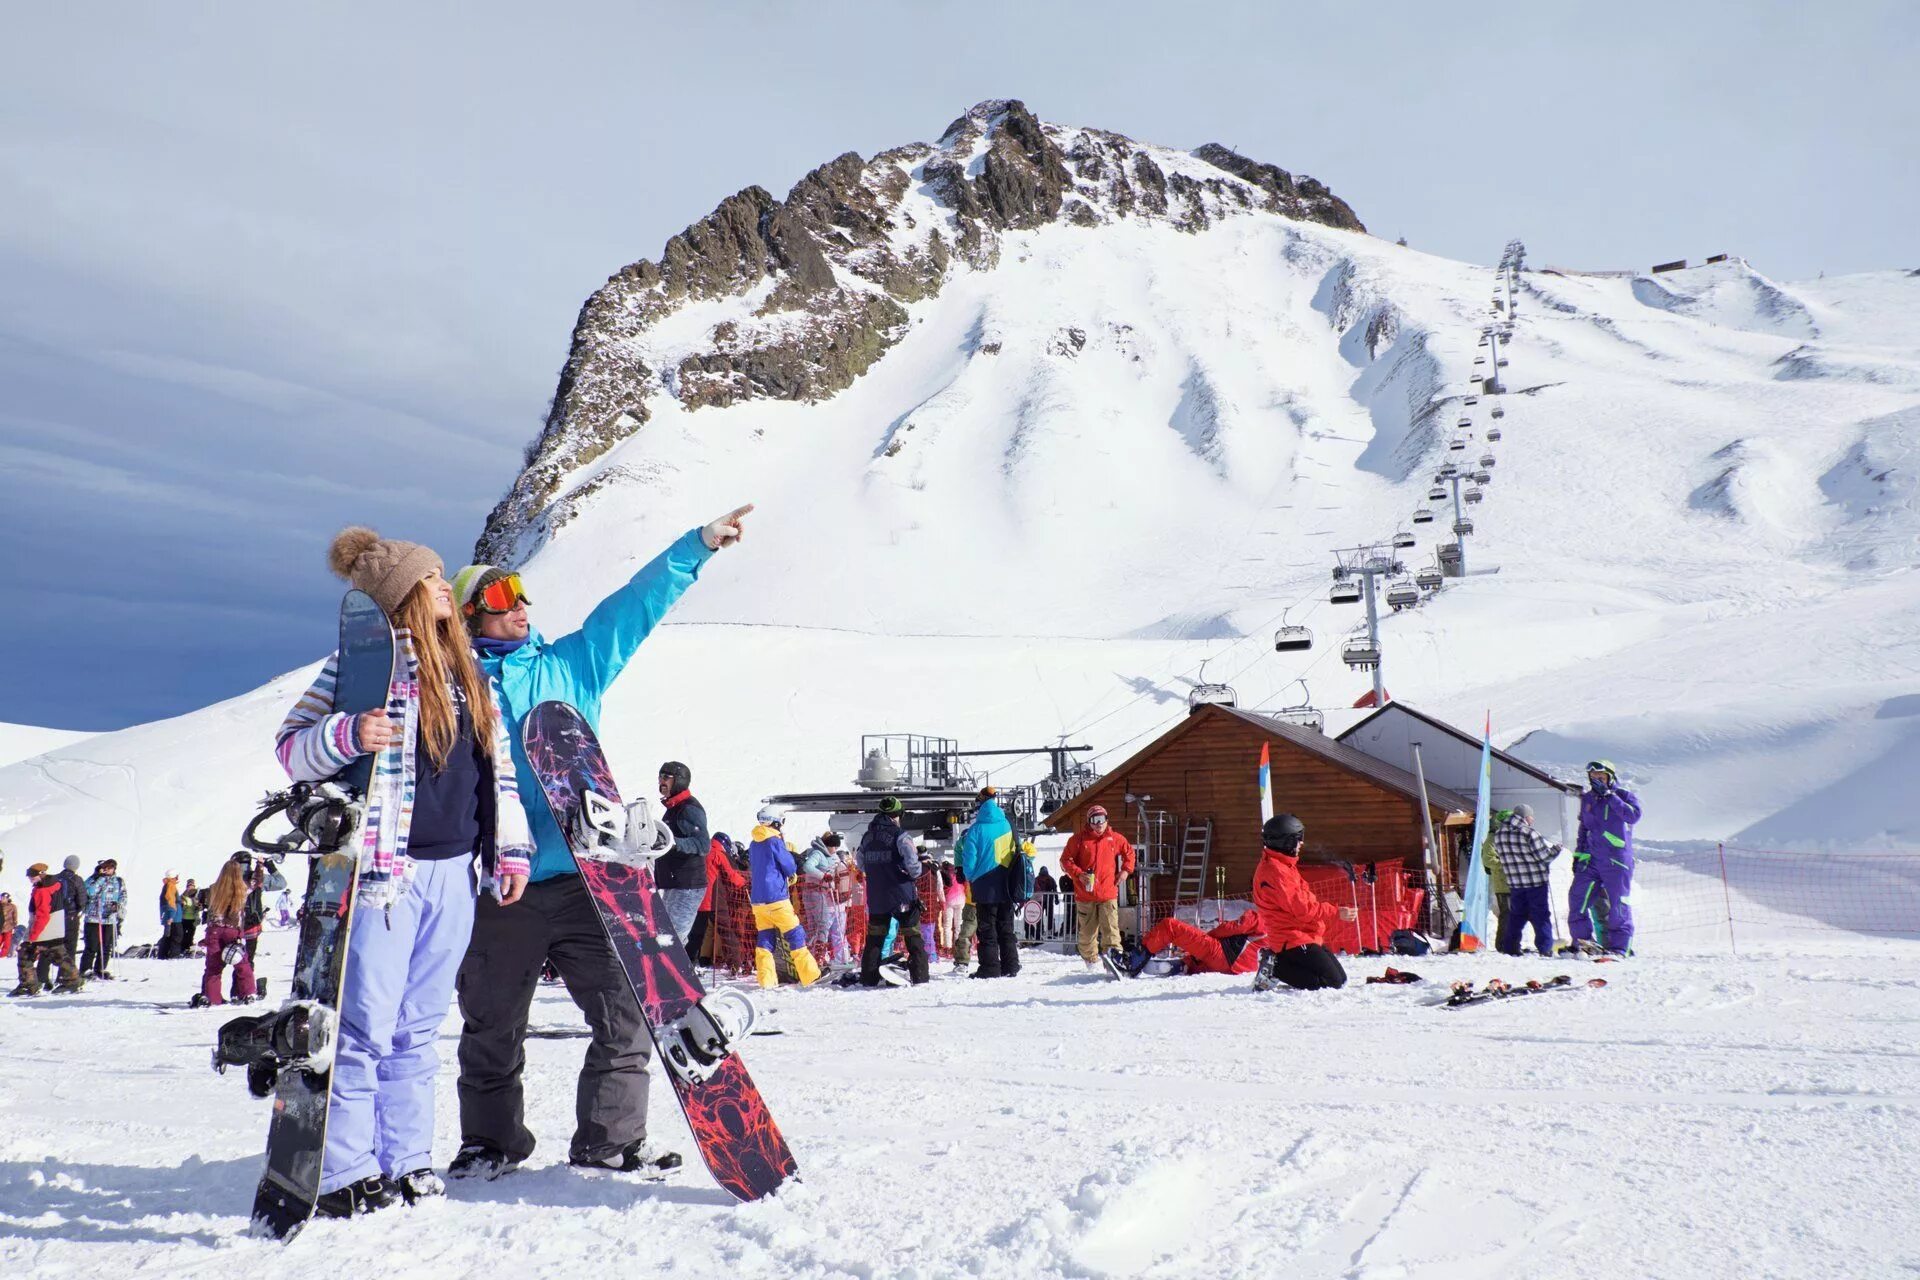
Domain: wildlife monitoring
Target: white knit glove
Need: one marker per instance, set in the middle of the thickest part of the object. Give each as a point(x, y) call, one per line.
point(727, 530)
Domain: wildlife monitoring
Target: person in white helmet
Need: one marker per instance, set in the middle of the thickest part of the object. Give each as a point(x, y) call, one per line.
point(770, 873)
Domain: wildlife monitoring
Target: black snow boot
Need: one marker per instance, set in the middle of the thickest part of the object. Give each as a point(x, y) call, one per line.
point(420, 1184)
point(636, 1157)
point(369, 1195)
point(478, 1160)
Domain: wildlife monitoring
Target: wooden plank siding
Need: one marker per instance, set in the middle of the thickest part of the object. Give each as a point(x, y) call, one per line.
point(1207, 767)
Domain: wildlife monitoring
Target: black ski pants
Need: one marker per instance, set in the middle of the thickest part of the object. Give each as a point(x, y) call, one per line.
point(908, 919)
point(1308, 968)
point(556, 921)
point(93, 961)
point(999, 944)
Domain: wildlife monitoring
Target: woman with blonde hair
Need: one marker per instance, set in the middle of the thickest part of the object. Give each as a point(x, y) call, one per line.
point(443, 822)
point(227, 926)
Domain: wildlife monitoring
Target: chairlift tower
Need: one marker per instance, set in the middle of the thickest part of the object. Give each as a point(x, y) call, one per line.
point(1363, 566)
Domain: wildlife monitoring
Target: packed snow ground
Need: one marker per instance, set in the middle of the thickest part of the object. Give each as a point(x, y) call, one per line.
point(1701, 1116)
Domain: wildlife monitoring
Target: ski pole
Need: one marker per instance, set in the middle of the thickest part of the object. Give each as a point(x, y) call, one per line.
point(1373, 900)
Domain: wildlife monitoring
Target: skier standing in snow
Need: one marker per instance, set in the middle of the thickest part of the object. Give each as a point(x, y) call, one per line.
point(826, 915)
point(1526, 857)
point(106, 906)
point(1294, 918)
point(189, 927)
point(1048, 896)
point(9, 921)
point(557, 921)
point(892, 867)
point(74, 897)
point(226, 928)
point(770, 875)
point(46, 944)
point(680, 872)
point(986, 851)
point(443, 823)
point(1598, 909)
point(1097, 858)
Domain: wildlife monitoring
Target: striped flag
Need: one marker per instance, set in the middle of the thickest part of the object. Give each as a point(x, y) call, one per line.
point(1266, 783)
point(1479, 896)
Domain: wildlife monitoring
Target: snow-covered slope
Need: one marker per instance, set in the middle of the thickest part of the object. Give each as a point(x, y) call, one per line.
point(1096, 450)
point(24, 741)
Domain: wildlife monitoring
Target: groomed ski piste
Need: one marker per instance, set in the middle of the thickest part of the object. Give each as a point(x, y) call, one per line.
point(1696, 557)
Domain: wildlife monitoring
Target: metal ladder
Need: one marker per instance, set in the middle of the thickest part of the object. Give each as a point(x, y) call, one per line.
point(1196, 843)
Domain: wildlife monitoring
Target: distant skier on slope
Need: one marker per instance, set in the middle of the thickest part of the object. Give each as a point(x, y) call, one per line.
point(1598, 909)
point(1294, 918)
point(1232, 946)
point(557, 920)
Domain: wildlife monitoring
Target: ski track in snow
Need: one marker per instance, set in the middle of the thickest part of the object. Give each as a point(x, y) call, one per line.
point(1701, 1116)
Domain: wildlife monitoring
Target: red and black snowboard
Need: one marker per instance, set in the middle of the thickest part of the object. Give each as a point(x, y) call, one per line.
point(735, 1132)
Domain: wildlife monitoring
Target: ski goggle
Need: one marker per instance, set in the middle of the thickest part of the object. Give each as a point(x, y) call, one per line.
point(499, 596)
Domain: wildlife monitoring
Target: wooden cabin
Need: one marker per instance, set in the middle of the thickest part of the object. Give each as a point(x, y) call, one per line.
point(1206, 770)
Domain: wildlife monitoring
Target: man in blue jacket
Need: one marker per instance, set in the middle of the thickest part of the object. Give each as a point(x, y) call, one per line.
point(985, 852)
point(556, 920)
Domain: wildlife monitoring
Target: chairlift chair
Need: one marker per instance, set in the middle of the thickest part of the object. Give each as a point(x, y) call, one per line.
point(1493, 435)
point(1303, 712)
point(1487, 460)
point(1428, 579)
point(1360, 652)
point(1473, 495)
point(1403, 538)
point(1498, 412)
point(1204, 694)
point(1447, 472)
point(1457, 446)
point(1502, 362)
point(1471, 400)
point(1344, 593)
point(1436, 494)
point(1291, 637)
point(1403, 594)
point(1482, 478)
point(1465, 423)
point(1423, 516)
point(1463, 526)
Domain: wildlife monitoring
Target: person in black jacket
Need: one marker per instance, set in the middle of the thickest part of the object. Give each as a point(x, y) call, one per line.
point(73, 892)
point(892, 868)
point(681, 871)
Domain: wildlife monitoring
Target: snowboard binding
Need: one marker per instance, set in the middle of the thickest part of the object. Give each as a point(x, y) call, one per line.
point(301, 1035)
point(606, 831)
point(322, 818)
point(696, 1045)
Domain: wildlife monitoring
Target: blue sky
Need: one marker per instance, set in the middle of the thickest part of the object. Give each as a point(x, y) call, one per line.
point(266, 273)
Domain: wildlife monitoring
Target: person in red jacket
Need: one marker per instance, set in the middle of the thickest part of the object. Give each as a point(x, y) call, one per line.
point(1294, 919)
point(46, 944)
point(1232, 946)
point(1098, 858)
point(719, 867)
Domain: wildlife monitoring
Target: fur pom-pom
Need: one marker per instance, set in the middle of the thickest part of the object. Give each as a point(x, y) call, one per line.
point(348, 546)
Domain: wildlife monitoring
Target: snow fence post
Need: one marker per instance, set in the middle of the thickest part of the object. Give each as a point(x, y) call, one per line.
point(1727, 896)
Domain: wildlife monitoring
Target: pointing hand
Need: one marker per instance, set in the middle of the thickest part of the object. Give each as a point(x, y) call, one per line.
point(726, 530)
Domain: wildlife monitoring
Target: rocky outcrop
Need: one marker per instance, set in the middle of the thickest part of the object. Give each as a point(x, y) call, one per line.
point(815, 288)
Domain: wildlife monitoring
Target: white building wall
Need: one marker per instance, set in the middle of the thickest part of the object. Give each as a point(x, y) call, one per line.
point(1390, 737)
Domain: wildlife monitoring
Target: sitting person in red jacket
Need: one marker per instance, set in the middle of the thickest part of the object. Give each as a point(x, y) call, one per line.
point(1294, 919)
point(1232, 946)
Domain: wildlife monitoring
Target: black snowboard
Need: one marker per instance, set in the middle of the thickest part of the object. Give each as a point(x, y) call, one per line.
point(297, 1136)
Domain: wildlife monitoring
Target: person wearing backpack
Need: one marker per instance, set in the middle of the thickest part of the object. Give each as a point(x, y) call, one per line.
point(892, 867)
point(987, 854)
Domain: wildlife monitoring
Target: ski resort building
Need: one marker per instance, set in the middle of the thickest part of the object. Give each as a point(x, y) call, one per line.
point(1451, 758)
point(1190, 802)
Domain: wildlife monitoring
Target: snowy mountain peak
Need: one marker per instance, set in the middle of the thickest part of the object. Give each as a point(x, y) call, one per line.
point(793, 300)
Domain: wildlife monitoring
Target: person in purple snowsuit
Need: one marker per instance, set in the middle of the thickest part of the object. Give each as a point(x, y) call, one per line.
point(1597, 905)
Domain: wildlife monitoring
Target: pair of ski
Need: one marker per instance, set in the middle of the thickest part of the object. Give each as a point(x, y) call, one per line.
point(289, 1054)
point(1465, 993)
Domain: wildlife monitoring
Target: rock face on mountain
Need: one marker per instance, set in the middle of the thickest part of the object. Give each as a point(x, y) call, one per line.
point(807, 293)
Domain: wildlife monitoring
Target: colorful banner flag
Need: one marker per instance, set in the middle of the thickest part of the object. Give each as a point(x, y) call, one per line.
point(1266, 783)
point(1479, 896)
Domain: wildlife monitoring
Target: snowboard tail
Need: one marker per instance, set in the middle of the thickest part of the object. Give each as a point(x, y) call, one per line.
point(732, 1127)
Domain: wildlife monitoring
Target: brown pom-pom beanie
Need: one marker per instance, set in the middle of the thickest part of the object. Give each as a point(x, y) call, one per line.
point(384, 568)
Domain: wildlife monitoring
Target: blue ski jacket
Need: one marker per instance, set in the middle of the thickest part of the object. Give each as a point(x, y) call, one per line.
point(984, 852)
point(577, 668)
point(770, 866)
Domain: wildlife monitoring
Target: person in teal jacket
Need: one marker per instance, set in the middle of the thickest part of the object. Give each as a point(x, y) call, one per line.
point(985, 851)
point(556, 921)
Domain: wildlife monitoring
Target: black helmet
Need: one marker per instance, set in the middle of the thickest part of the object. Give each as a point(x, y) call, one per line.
point(681, 776)
point(1282, 831)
